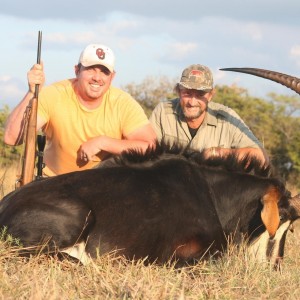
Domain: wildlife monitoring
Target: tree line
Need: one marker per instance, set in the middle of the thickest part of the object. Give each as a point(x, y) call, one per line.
point(274, 120)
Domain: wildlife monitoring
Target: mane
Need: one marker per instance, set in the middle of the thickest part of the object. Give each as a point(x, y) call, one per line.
point(163, 151)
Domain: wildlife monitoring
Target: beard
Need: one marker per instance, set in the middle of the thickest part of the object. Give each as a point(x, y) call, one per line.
point(192, 112)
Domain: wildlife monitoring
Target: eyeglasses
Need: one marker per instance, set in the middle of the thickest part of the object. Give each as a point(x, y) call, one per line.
point(192, 93)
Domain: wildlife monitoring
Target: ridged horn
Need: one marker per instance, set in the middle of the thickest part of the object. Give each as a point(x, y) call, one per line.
point(291, 82)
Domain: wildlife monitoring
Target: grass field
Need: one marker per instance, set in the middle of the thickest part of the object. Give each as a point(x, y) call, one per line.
point(8, 178)
point(234, 276)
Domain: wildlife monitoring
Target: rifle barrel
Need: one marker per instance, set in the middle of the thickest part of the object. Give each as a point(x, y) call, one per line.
point(38, 61)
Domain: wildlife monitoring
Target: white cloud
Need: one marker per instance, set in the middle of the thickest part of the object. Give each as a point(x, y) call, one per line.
point(254, 31)
point(295, 55)
point(11, 93)
point(67, 38)
point(123, 25)
point(125, 43)
point(218, 75)
point(295, 51)
point(12, 90)
point(179, 51)
point(4, 79)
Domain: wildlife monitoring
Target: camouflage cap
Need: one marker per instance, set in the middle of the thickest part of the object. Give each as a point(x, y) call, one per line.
point(197, 77)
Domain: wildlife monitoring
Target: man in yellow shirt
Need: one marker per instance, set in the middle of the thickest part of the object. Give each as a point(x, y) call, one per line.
point(85, 119)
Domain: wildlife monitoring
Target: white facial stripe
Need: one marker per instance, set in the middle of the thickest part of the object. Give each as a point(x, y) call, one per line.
point(258, 249)
point(78, 251)
point(278, 236)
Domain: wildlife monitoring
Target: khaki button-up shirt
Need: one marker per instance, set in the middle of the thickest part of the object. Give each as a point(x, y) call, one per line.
point(222, 127)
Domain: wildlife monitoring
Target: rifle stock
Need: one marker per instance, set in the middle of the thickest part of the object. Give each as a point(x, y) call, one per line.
point(29, 157)
point(30, 145)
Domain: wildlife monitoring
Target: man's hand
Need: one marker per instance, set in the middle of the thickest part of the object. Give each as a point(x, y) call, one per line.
point(35, 76)
point(89, 149)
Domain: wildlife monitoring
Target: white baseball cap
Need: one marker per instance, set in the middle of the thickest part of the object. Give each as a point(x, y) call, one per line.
point(97, 54)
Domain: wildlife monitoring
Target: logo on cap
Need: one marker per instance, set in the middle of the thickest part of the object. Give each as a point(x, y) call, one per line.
point(196, 73)
point(100, 53)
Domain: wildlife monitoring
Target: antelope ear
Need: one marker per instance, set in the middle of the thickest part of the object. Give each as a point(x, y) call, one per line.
point(270, 211)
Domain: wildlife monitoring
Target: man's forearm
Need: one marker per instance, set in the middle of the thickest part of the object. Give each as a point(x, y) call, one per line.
point(116, 146)
point(111, 145)
point(13, 131)
point(258, 153)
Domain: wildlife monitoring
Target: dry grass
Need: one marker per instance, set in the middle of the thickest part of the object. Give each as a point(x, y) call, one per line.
point(234, 276)
point(8, 178)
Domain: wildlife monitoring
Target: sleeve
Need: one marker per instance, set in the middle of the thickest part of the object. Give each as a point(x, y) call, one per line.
point(133, 115)
point(155, 120)
point(242, 136)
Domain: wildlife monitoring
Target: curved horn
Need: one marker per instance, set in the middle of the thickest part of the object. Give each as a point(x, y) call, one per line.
point(295, 203)
point(289, 81)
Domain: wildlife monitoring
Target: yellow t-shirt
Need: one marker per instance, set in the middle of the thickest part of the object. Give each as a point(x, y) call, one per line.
point(69, 124)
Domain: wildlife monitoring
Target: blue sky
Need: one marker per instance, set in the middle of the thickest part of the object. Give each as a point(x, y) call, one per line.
point(151, 38)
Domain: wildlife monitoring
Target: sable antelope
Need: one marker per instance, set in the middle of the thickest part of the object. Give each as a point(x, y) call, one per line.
point(169, 203)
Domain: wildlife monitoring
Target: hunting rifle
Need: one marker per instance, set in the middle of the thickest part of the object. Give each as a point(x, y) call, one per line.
point(30, 136)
